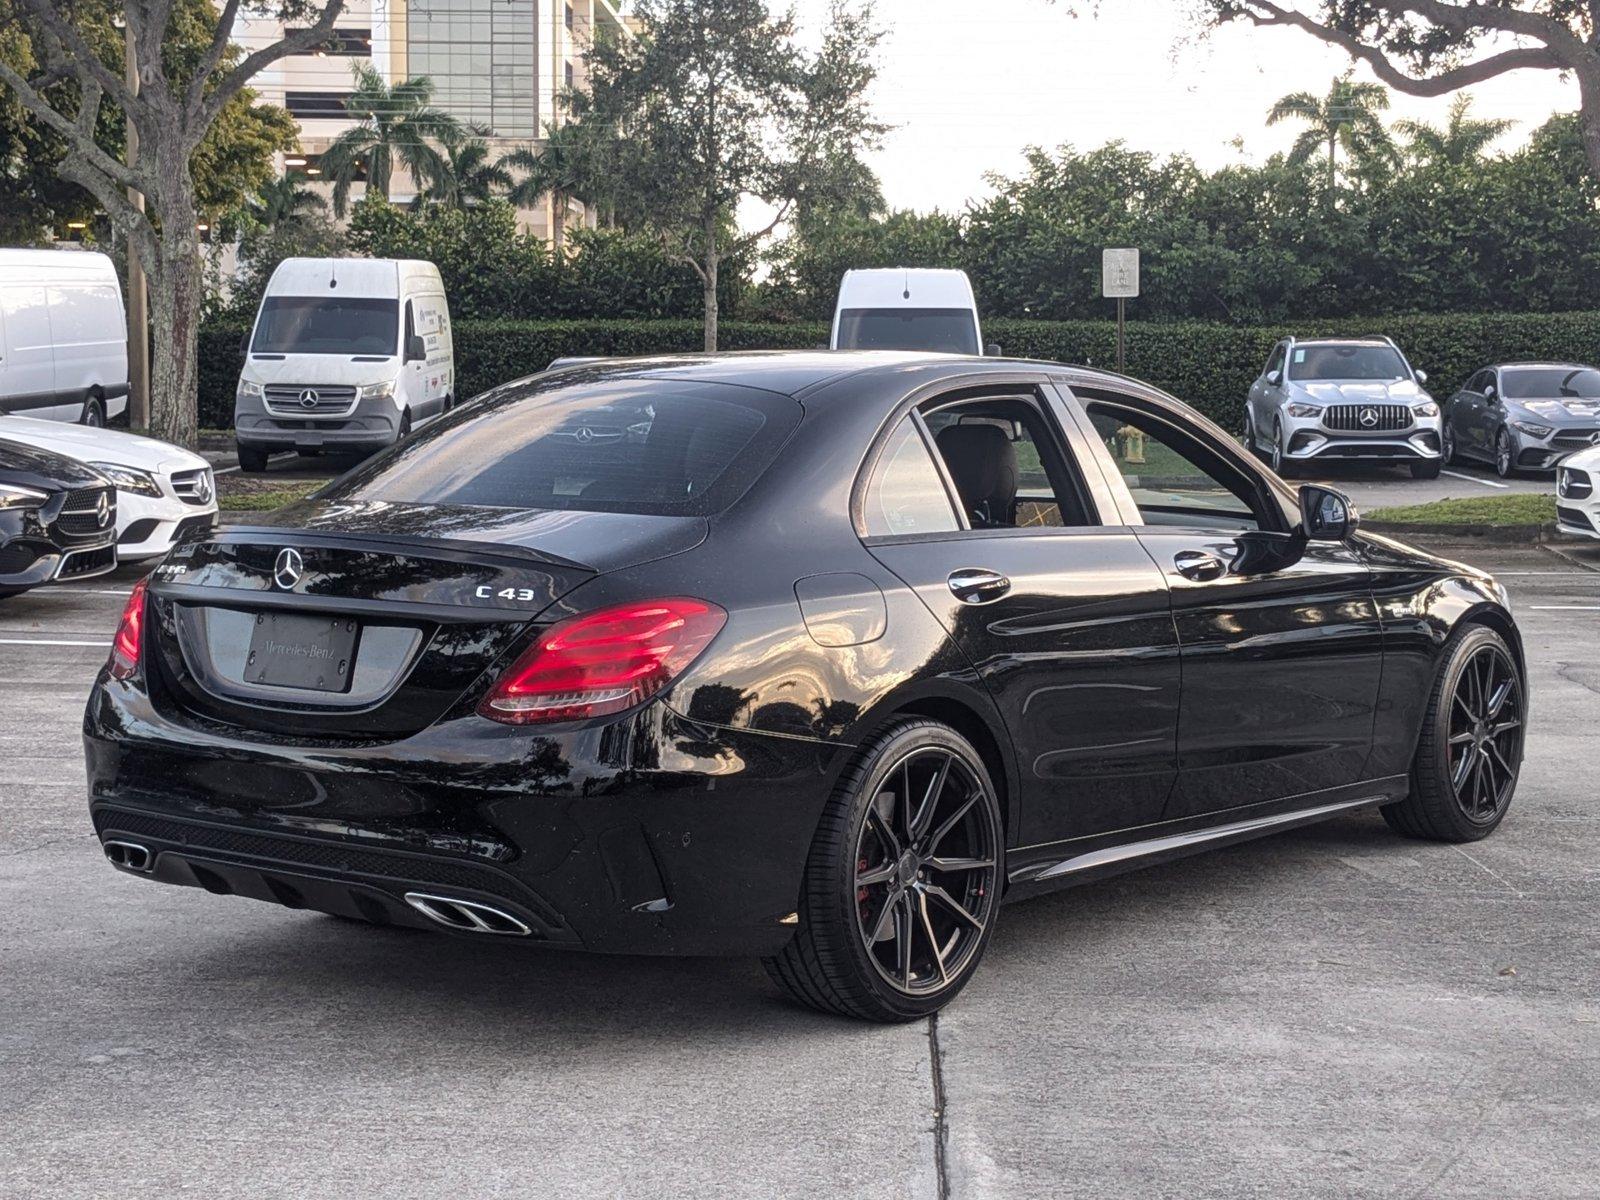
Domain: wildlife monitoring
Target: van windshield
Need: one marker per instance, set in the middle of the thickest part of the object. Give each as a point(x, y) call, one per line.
point(951, 330)
point(326, 325)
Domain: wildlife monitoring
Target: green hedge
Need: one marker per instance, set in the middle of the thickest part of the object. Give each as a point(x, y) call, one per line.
point(1209, 365)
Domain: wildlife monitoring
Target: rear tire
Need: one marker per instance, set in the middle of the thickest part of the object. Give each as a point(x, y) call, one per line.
point(900, 892)
point(1468, 758)
point(94, 413)
point(252, 459)
point(1427, 468)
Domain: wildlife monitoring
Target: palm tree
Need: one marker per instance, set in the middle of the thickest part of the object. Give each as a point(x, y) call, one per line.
point(466, 175)
point(1347, 116)
point(394, 124)
point(573, 162)
point(283, 201)
point(1462, 140)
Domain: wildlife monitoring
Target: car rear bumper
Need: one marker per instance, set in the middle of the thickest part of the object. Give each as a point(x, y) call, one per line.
point(649, 835)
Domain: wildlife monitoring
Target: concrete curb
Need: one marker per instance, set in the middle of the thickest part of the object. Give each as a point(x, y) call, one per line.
point(1476, 535)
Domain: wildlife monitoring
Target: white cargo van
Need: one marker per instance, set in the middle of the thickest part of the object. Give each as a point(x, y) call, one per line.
point(347, 354)
point(907, 308)
point(63, 336)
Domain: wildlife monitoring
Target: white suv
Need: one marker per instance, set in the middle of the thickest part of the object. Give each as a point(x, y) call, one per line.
point(1343, 399)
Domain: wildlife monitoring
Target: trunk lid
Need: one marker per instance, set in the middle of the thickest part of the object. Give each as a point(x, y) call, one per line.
point(337, 621)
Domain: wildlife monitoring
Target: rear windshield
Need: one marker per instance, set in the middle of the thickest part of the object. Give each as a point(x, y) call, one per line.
point(951, 330)
point(1533, 383)
point(325, 325)
point(641, 446)
point(1346, 362)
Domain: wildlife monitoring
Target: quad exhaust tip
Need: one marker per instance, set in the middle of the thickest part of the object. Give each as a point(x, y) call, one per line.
point(467, 916)
point(129, 856)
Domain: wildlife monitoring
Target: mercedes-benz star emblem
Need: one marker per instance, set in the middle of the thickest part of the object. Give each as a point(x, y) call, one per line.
point(102, 511)
point(202, 488)
point(308, 398)
point(288, 569)
point(585, 435)
point(1369, 417)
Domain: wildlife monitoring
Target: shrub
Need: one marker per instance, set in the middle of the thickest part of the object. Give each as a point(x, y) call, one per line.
point(1209, 365)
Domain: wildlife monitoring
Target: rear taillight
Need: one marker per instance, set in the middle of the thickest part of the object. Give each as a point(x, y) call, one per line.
point(130, 636)
point(603, 662)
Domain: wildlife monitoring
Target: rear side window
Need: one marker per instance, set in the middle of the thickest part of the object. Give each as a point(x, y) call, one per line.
point(642, 446)
point(905, 495)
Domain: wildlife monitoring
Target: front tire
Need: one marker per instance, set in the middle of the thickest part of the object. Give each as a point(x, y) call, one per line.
point(252, 459)
point(1505, 455)
point(902, 885)
point(1281, 463)
point(1470, 752)
point(1427, 468)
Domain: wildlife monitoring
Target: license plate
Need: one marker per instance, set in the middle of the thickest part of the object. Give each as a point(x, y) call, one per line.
point(292, 650)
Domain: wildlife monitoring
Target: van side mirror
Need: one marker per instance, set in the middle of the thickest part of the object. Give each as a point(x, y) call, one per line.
point(1422, 376)
point(244, 344)
point(992, 350)
point(1274, 377)
point(1326, 515)
point(416, 349)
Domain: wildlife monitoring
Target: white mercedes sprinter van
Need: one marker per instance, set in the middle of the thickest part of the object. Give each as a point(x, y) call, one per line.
point(347, 354)
point(907, 308)
point(63, 336)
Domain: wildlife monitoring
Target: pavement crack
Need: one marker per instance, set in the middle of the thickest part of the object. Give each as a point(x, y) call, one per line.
point(1564, 672)
point(941, 1128)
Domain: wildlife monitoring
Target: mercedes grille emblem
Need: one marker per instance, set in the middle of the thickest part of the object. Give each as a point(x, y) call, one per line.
point(308, 398)
point(585, 435)
point(1369, 417)
point(288, 569)
point(102, 511)
point(202, 487)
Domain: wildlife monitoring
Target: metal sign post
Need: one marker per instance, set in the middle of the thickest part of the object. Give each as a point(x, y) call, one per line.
point(1119, 281)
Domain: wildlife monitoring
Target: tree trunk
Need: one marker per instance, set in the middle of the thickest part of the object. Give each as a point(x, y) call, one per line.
point(177, 284)
point(1589, 117)
point(713, 255)
point(1333, 166)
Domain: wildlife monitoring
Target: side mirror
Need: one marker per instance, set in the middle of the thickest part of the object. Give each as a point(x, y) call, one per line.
point(416, 349)
point(244, 344)
point(1489, 393)
point(1274, 377)
point(1422, 376)
point(992, 350)
point(1326, 515)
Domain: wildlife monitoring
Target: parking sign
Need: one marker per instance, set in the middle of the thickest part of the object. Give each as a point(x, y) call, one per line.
point(1119, 274)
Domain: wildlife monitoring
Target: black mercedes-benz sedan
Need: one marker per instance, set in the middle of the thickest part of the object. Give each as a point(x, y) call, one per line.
point(58, 519)
point(816, 657)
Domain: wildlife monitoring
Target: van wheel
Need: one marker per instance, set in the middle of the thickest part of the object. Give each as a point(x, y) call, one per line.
point(94, 413)
point(405, 425)
point(252, 459)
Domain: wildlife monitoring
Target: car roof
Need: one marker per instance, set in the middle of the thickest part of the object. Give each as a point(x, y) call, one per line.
point(1515, 366)
point(1338, 341)
point(800, 373)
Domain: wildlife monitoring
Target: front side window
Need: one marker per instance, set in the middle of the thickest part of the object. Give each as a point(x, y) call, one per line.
point(644, 446)
point(1346, 362)
point(325, 325)
point(946, 330)
point(905, 495)
point(1175, 479)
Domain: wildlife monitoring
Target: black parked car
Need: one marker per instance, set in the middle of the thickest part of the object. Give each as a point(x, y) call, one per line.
point(1523, 416)
point(58, 519)
point(825, 659)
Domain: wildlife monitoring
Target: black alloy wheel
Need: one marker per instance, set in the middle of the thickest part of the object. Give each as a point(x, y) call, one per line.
point(1447, 441)
point(1470, 753)
point(903, 882)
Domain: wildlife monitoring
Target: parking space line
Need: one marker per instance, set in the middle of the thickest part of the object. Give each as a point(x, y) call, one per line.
point(1562, 607)
point(278, 457)
point(1494, 483)
point(50, 642)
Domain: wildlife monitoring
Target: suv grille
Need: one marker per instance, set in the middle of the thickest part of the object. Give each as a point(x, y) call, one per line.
point(81, 515)
point(309, 399)
point(1367, 418)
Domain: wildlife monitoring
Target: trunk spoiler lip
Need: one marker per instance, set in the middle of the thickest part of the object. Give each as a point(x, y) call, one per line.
point(451, 549)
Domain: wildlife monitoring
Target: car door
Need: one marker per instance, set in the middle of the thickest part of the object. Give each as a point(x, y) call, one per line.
point(1063, 616)
point(1281, 644)
point(1467, 415)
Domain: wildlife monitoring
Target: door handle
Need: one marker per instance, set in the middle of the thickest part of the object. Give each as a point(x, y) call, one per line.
point(1199, 566)
point(975, 585)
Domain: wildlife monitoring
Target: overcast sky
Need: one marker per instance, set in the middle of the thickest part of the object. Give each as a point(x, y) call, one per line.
point(970, 83)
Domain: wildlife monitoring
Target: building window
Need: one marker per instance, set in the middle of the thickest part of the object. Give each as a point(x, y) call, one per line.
point(309, 166)
point(317, 106)
point(480, 56)
point(344, 43)
point(570, 18)
point(571, 77)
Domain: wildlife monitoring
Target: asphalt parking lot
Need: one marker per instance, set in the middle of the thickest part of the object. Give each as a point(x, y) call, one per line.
point(1330, 1012)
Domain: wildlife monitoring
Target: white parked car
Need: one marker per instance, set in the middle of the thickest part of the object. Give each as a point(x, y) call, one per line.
point(164, 493)
point(63, 336)
point(346, 354)
point(907, 308)
point(1578, 493)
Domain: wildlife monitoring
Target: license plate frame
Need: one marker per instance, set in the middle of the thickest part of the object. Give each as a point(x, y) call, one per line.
point(312, 653)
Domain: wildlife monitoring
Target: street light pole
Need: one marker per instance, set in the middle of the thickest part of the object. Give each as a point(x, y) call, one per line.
point(138, 299)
